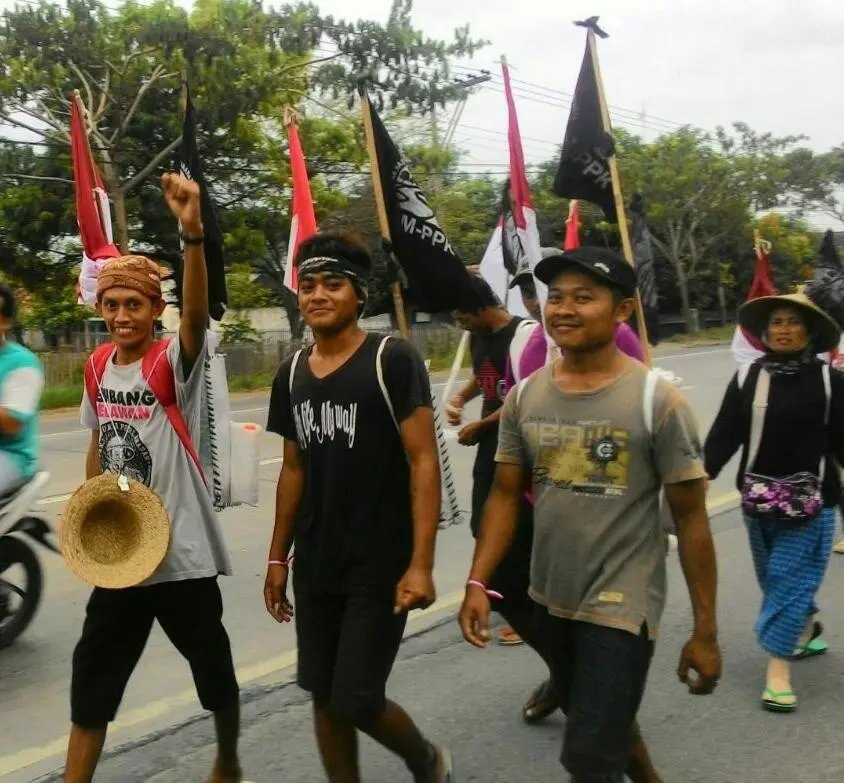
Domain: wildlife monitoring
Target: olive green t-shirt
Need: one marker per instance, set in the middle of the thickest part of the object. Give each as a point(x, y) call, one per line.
point(599, 547)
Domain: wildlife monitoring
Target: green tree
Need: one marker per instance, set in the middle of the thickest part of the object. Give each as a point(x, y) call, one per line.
point(245, 63)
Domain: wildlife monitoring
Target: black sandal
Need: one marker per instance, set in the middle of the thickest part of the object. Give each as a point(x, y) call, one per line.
point(542, 703)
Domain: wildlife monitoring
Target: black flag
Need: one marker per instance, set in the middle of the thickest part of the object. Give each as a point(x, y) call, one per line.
point(584, 171)
point(437, 279)
point(192, 168)
point(826, 288)
point(643, 261)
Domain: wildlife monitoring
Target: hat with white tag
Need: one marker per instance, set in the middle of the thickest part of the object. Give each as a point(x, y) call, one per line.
point(114, 532)
point(607, 266)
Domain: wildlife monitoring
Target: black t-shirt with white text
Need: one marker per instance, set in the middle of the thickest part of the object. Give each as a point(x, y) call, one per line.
point(354, 526)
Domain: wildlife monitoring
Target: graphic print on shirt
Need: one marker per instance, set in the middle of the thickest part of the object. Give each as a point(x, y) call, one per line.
point(113, 404)
point(123, 451)
point(586, 457)
point(333, 421)
point(490, 382)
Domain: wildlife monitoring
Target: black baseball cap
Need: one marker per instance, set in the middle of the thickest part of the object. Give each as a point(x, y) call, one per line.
point(605, 265)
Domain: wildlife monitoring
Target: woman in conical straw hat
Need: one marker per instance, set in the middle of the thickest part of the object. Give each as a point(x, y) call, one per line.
point(784, 411)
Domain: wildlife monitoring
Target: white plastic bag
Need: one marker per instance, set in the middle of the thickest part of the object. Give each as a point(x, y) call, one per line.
point(245, 464)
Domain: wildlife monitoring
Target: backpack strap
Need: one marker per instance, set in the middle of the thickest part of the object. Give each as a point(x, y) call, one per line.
point(382, 384)
point(94, 371)
point(519, 388)
point(757, 419)
point(524, 330)
point(741, 375)
point(649, 399)
point(159, 375)
point(293, 372)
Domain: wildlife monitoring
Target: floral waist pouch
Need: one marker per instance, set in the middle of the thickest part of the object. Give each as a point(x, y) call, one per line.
point(794, 498)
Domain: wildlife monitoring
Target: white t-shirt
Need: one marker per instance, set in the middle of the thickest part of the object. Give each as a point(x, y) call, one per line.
point(136, 437)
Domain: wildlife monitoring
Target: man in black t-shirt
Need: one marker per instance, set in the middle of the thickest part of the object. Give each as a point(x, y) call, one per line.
point(359, 496)
point(492, 329)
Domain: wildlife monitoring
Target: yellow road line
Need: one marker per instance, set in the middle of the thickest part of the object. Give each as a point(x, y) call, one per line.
point(271, 667)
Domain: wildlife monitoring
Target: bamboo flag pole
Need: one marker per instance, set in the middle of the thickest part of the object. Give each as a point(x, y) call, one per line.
point(617, 195)
point(398, 301)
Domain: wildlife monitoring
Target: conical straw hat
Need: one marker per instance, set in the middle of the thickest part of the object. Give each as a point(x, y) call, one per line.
point(112, 537)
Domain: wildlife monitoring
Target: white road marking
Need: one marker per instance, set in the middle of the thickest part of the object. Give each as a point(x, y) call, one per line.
point(690, 355)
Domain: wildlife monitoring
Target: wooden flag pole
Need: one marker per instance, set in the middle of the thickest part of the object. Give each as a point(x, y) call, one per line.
point(623, 229)
point(398, 301)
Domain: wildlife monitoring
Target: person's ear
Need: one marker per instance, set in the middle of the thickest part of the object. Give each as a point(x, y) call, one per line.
point(158, 307)
point(624, 309)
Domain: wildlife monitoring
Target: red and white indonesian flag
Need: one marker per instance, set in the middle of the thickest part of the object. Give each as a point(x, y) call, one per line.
point(572, 238)
point(93, 213)
point(303, 221)
point(746, 348)
point(526, 242)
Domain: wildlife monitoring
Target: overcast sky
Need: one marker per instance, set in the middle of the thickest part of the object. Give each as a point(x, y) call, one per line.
point(777, 65)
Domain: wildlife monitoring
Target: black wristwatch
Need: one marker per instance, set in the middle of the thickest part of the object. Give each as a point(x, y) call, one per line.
point(193, 240)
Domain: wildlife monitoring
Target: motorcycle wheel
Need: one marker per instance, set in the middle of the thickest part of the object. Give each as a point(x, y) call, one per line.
point(13, 551)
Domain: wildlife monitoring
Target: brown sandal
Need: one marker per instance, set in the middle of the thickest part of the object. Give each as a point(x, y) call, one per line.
point(509, 638)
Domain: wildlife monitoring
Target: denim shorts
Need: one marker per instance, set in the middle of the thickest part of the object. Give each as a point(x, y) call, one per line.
point(600, 674)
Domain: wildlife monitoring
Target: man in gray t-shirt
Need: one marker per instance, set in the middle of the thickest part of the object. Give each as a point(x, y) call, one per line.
point(131, 435)
point(597, 451)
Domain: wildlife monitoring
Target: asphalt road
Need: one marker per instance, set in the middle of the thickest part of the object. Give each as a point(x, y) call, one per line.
point(34, 674)
point(470, 699)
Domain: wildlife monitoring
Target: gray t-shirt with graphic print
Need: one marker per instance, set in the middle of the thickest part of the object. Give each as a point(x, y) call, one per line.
point(136, 437)
point(598, 547)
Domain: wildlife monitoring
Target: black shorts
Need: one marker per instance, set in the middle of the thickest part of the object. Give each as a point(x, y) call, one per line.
point(600, 674)
point(117, 626)
point(347, 646)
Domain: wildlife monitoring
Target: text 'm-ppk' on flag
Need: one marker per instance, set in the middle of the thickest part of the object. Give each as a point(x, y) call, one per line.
point(747, 348)
point(515, 243)
point(302, 219)
point(438, 281)
point(584, 171)
point(191, 167)
point(93, 213)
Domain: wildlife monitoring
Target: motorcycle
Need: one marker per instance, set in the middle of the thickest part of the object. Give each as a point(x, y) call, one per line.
point(18, 529)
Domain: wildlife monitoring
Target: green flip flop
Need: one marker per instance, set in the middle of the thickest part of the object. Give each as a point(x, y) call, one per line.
point(815, 645)
point(773, 701)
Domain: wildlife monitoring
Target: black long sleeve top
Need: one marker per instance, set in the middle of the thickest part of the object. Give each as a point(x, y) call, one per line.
point(793, 437)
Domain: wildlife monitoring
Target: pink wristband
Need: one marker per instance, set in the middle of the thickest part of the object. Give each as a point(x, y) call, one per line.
point(490, 593)
point(286, 563)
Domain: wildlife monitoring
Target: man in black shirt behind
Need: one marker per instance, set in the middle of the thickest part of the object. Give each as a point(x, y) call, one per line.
point(359, 494)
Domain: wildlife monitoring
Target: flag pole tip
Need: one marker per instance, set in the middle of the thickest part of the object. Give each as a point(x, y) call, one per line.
point(592, 24)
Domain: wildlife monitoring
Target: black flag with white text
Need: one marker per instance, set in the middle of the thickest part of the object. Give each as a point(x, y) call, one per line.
point(438, 280)
point(584, 171)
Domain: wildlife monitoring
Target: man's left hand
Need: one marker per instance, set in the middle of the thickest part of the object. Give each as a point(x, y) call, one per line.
point(470, 434)
point(415, 590)
point(182, 197)
point(702, 657)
